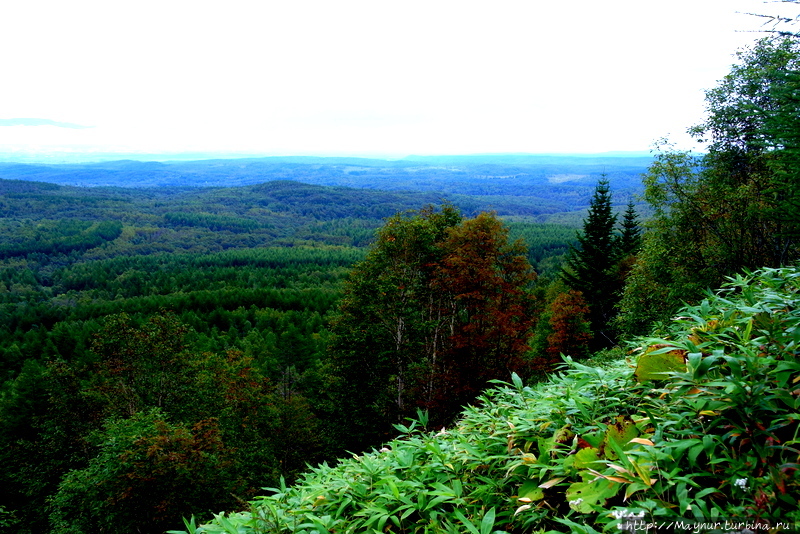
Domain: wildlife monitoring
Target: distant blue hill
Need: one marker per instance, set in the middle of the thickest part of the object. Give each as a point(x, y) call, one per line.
point(561, 182)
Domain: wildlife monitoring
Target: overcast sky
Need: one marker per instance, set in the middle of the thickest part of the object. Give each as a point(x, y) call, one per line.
point(376, 77)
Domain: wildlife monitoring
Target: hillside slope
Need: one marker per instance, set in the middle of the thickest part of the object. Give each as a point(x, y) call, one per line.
point(512, 185)
point(700, 426)
point(43, 217)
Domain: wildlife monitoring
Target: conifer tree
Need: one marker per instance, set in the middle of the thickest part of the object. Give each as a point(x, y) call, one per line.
point(630, 238)
point(590, 268)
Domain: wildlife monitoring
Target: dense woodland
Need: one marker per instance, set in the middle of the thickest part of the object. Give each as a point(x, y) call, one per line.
point(116, 302)
point(167, 352)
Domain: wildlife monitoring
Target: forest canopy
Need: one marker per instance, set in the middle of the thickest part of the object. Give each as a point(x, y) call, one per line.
point(119, 306)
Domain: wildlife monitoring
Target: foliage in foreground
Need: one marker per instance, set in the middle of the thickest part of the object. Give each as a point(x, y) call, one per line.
point(714, 437)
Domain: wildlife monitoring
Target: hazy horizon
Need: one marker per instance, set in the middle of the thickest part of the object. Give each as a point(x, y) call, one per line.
point(99, 157)
point(362, 79)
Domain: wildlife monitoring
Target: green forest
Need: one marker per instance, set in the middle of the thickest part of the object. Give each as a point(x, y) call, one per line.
point(282, 356)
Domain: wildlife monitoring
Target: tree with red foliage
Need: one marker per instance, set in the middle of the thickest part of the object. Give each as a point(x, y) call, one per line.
point(569, 321)
point(486, 280)
point(439, 307)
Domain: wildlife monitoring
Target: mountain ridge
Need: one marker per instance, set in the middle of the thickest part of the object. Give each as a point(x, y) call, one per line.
point(566, 181)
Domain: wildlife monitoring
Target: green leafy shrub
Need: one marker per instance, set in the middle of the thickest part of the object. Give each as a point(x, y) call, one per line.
point(713, 437)
point(727, 423)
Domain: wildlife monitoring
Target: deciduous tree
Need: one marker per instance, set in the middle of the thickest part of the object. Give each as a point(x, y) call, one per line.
point(146, 475)
point(570, 329)
point(734, 207)
point(486, 280)
point(438, 308)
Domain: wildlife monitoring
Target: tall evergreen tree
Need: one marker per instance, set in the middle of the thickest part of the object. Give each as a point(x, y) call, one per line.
point(630, 238)
point(590, 268)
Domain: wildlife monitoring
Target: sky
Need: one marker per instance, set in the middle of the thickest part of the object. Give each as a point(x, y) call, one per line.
point(365, 78)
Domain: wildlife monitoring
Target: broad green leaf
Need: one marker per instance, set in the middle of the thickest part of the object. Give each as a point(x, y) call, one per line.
point(585, 458)
point(583, 497)
point(619, 434)
point(656, 365)
point(466, 522)
point(530, 490)
point(517, 381)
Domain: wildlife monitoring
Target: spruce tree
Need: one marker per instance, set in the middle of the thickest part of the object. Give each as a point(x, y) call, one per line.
point(590, 268)
point(630, 238)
